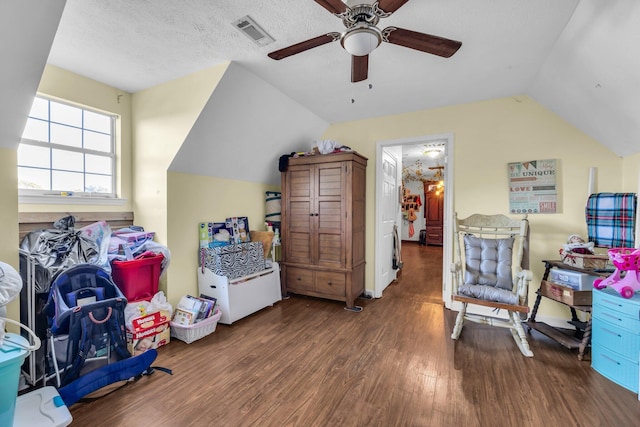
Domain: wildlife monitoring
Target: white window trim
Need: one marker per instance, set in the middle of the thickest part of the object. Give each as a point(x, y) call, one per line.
point(28, 196)
point(56, 199)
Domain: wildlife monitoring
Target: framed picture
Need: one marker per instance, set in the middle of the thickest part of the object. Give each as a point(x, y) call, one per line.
point(532, 187)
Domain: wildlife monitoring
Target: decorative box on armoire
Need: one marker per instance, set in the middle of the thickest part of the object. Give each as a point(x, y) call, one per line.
point(323, 226)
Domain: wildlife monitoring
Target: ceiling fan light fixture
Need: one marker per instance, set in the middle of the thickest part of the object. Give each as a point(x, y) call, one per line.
point(361, 40)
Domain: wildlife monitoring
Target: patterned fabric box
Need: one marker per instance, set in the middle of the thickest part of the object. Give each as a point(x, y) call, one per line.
point(234, 261)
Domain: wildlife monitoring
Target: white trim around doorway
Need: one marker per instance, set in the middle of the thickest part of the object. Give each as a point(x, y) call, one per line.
point(448, 207)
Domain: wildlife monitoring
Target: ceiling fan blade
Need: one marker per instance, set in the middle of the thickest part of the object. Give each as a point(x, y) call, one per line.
point(391, 6)
point(359, 68)
point(302, 46)
point(334, 6)
point(421, 41)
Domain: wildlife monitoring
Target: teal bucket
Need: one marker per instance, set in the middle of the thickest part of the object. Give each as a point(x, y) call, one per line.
point(13, 351)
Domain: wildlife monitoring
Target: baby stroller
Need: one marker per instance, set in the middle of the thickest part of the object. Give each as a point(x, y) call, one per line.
point(85, 314)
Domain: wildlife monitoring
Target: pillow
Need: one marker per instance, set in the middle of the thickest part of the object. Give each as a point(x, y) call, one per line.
point(489, 293)
point(488, 261)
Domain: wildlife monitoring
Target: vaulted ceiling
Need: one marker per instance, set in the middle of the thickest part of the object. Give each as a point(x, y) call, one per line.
point(578, 58)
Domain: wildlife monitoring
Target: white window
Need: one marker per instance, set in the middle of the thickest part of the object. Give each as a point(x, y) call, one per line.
point(67, 150)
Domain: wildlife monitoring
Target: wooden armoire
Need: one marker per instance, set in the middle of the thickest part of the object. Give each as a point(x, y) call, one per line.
point(434, 211)
point(323, 226)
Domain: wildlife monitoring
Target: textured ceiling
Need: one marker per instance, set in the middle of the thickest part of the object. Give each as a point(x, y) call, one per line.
point(505, 43)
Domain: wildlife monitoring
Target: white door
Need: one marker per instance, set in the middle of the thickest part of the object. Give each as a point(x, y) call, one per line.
point(389, 205)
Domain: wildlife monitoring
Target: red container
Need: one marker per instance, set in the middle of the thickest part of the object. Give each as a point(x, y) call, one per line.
point(138, 279)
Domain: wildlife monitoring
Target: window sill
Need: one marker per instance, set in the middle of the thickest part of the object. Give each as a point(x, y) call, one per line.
point(70, 200)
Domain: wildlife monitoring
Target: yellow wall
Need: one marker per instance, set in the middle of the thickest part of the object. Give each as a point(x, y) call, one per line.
point(162, 118)
point(195, 199)
point(631, 176)
point(9, 216)
point(487, 136)
point(67, 86)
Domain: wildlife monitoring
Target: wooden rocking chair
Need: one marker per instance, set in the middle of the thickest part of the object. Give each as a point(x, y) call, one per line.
point(489, 272)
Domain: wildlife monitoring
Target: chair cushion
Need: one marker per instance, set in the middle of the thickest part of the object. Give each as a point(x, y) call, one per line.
point(488, 293)
point(488, 262)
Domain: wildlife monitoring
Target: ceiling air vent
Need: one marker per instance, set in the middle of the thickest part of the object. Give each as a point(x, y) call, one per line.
point(252, 30)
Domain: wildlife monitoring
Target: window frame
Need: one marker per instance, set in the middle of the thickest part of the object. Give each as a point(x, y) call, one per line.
point(28, 195)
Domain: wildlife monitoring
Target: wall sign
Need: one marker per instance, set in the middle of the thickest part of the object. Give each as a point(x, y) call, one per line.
point(532, 187)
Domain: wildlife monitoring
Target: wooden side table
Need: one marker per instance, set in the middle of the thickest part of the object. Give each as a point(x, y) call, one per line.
point(581, 337)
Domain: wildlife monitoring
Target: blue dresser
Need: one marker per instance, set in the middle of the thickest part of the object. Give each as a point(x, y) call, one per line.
point(615, 340)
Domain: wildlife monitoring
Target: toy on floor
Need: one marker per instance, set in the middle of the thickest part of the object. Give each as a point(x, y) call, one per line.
point(627, 260)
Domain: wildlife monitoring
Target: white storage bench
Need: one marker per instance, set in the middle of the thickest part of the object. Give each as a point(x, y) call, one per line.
point(243, 296)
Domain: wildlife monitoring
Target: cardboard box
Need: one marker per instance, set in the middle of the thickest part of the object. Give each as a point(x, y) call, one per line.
point(234, 261)
point(204, 234)
point(565, 294)
point(150, 331)
point(209, 234)
point(238, 227)
point(573, 279)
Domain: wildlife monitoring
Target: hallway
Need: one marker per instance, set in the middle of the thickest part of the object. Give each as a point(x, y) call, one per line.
point(422, 272)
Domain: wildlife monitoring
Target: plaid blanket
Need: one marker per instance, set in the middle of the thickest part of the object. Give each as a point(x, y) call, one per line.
point(611, 219)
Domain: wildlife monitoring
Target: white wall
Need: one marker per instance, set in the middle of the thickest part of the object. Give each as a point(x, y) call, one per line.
point(27, 30)
point(244, 128)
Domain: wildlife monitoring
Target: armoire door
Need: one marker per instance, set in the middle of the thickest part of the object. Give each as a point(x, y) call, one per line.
point(331, 214)
point(300, 214)
point(434, 209)
point(316, 214)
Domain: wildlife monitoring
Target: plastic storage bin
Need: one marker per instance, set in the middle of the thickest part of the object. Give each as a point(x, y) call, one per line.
point(138, 279)
point(42, 408)
point(13, 351)
point(573, 279)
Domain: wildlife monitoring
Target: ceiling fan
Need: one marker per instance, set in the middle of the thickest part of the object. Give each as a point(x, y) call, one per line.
point(362, 35)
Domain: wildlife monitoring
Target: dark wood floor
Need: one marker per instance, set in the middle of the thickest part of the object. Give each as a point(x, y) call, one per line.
point(309, 362)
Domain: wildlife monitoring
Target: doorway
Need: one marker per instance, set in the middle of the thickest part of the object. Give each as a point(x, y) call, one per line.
point(383, 222)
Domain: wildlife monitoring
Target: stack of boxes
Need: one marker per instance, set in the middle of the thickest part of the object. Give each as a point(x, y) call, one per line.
point(227, 250)
point(138, 278)
point(569, 287)
point(149, 331)
point(234, 230)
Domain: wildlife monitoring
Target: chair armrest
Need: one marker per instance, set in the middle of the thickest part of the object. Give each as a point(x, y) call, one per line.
point(456, 272)
point(455, 267)
point(524, 277)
